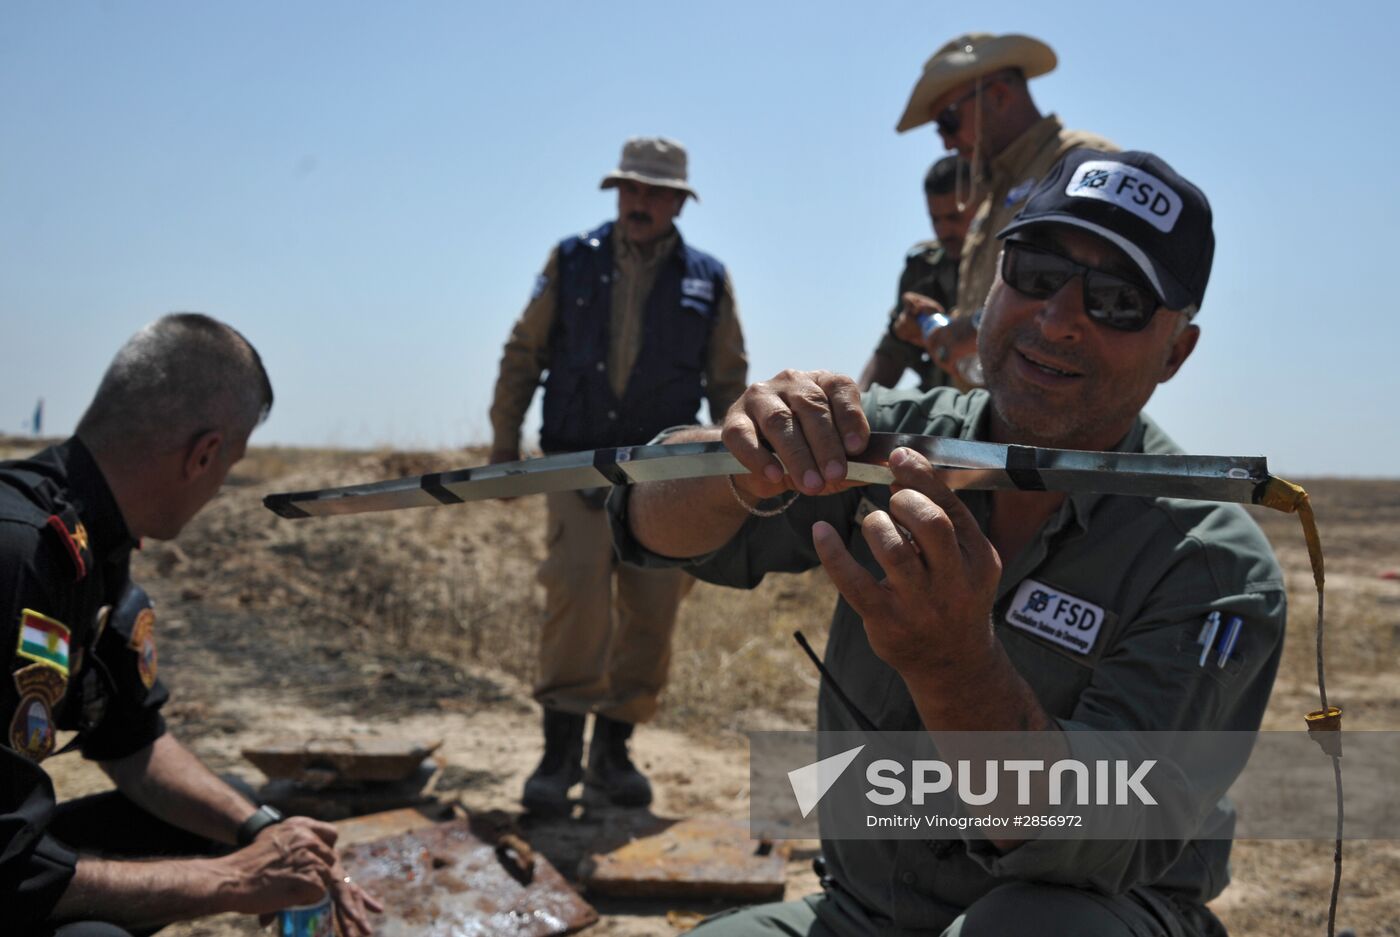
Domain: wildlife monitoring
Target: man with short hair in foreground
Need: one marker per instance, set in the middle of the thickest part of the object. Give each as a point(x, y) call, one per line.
point(170, 419)
point(1100, 277)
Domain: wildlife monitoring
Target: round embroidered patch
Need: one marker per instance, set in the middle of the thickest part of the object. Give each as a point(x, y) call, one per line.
point(143, 642)
point(32, 729)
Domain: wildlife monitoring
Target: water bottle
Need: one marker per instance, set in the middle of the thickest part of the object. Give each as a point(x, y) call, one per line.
point(969, 368)
point(929, 321)
point(308, 920)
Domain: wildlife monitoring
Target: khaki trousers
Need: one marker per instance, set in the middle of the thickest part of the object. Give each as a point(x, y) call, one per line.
point(606, 642)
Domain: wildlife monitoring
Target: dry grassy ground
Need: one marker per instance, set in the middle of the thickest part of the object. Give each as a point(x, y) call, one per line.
point(422, 623)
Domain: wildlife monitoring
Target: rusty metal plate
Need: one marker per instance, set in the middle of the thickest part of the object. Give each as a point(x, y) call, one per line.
point(703, 857)
point(442, 881)
point(390, 822)
point(320, 762)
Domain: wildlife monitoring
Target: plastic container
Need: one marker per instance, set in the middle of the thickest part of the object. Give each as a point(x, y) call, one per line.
point(308, 920)
point(969, 368)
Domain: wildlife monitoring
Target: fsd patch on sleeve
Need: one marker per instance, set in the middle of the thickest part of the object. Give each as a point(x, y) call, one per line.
point(1129, 188)
point(697, 288)
point(1055, 616)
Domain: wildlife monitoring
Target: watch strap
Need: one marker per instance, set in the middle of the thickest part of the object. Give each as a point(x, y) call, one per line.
point(258, 821)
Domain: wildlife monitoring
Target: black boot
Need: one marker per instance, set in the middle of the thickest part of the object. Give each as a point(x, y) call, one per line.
point(610, 770)
point(547, 790)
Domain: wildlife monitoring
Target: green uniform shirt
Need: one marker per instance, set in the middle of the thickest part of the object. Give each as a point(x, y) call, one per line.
point(1155, 566)
point(928, 271)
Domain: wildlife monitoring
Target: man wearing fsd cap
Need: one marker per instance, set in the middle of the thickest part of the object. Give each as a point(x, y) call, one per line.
point(974, 90)
point(78, 646)
point(946, 617)
point(635, 327)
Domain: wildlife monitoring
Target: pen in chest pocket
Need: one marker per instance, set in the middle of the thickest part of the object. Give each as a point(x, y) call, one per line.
point(1207, 636)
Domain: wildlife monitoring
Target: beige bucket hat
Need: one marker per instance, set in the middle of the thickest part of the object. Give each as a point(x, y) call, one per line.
point(971, 56)
point(654, 161)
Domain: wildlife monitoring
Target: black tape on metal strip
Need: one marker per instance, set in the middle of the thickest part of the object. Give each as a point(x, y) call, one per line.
point(1022, 467)
point(432, 484)
point(605, 461)
point(282, 506)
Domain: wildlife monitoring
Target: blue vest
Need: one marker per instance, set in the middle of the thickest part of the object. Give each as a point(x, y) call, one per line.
point(668, 380)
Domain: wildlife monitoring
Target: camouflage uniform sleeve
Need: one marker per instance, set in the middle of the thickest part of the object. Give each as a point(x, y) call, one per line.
point(525, 357)
point(727, 370)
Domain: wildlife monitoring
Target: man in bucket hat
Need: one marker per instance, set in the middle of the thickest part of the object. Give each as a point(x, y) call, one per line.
point(974, 90)
point(634, 327)
point(950, 618)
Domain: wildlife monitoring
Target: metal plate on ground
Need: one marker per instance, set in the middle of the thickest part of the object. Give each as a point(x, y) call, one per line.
point(340, 759)
point(703, 857)
point(442, 881)
point(389, 823)
point(352, 799)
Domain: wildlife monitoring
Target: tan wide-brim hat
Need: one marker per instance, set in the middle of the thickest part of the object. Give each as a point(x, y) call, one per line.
point(653, 161)
point(972, 56)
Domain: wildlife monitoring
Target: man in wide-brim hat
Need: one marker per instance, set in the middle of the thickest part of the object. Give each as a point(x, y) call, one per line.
point(635, 328)
point(974, 89)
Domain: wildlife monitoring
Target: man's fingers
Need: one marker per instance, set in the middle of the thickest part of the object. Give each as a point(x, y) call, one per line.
point(929, 525)
point(898, 556)
point(353, 919)
point(811, 421)
point(740, 437)
point(346, 896)
point(324, 831)
point(781, 427)
point(371, 902)
point(911, 470)
point(843, 396)
point(822, 441)
point(307, 847)
point(916, 303)
point(858, 587)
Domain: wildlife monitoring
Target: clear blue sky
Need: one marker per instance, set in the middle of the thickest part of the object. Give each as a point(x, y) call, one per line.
point(367, 190)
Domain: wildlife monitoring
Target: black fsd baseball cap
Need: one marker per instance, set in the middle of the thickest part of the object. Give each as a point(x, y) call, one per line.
point(1141, 205)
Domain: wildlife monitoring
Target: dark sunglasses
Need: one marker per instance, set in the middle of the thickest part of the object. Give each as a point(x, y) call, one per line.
point(1109, 300)
point(947, 119)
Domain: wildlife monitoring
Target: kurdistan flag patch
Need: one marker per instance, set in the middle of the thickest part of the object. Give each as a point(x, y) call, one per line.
point(43, 639)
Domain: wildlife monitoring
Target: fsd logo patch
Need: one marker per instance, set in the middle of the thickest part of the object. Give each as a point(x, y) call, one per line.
point(1055, 616)
point(1129, 188)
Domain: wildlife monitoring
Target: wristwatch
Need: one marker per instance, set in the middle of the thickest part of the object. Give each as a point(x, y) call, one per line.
point(263, 817)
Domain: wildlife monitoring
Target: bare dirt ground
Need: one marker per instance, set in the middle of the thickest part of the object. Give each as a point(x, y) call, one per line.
point(421, 624)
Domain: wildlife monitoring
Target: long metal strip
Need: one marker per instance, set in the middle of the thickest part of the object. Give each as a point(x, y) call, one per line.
point(965, 464)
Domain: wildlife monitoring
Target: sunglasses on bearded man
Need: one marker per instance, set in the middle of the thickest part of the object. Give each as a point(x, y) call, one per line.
point(1109, 300)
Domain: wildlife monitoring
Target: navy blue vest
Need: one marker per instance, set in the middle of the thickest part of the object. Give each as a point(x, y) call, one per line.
point(668, 380)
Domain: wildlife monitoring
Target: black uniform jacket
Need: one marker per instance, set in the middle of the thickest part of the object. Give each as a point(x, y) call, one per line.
point(77, 652)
